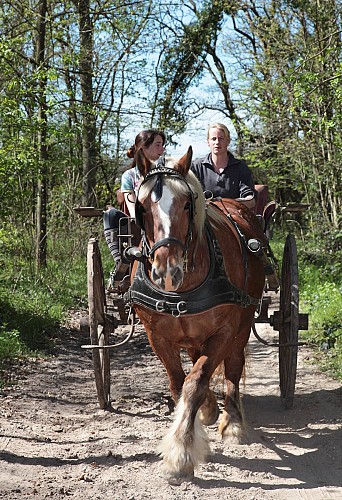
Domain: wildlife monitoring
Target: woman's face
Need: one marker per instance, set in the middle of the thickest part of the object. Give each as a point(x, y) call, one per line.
point(155, 149)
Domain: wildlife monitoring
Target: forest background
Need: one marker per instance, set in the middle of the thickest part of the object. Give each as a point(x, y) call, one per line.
point(80, 78)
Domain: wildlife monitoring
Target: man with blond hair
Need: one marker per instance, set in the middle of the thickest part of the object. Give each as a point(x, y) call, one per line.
point(220, 173)
point(224, 176)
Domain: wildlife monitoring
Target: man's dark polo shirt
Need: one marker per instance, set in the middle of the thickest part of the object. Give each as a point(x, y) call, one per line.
point(235, 181)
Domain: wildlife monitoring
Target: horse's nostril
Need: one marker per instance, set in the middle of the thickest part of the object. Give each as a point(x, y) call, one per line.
point(158, 277)
point(177, 278)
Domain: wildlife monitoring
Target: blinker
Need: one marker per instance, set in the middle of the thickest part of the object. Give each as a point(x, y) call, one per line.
point(157, 190)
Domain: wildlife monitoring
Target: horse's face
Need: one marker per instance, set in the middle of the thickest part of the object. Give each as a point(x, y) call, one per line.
point(166, 206)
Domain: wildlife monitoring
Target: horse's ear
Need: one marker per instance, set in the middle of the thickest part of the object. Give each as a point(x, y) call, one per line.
point(143, 163)
point(184, 163)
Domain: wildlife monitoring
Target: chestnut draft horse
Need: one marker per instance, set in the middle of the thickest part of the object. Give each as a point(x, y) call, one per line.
point(196, 288)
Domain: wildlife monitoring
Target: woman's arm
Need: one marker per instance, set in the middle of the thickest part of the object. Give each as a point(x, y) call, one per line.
point(130, 203)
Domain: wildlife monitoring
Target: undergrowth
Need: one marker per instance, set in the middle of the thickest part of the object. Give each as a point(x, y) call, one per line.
point(320, 295)
point(33, 305)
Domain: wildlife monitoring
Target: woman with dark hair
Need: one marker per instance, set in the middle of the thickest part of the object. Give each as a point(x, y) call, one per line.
point(152, 142)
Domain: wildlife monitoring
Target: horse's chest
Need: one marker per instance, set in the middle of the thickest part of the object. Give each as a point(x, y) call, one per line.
point(191, 331)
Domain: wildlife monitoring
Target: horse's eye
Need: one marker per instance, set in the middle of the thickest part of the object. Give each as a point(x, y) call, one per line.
point(187, 205)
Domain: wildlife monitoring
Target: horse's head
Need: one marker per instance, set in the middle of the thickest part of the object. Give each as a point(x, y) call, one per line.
point(170, 209)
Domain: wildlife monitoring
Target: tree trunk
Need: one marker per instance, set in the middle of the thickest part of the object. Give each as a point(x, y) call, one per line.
point(89, 150)
point(42, 186)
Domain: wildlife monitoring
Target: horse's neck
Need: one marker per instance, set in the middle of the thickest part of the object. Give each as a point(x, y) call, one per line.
point(198, 262)
point(230, 244)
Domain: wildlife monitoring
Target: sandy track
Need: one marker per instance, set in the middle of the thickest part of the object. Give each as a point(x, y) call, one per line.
point(55, 443)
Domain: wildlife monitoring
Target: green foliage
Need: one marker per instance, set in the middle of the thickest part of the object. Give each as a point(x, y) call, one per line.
point(321, 298)
point(32, 305)
point(11, 347)
point(323, 302)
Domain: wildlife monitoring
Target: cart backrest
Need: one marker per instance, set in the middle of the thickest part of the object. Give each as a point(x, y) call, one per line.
point(263, 207)
point(262, 190)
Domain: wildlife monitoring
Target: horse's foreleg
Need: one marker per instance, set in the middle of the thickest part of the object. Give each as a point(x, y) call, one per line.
point(232, 424)
point(170, 357)
point(209, 411)
point(186, 443)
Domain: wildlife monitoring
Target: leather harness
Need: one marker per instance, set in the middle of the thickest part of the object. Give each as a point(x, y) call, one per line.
point(215, 290)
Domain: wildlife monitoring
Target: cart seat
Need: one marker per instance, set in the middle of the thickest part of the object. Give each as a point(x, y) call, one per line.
point(262, 190)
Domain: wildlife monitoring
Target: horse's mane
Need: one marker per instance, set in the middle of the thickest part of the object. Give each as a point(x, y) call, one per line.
point(214, 216)
point(177, 187)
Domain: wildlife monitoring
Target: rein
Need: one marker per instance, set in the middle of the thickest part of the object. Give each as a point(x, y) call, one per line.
point(242, 238)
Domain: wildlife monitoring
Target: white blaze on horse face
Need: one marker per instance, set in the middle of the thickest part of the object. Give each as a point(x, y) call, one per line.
point(169, 274)
point(164, 210)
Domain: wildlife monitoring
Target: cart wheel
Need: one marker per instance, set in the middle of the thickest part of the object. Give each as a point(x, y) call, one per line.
point(99, 334)
point(289, 322)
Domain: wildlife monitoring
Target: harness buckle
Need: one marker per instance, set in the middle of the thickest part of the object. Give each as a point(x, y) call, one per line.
point(246, 301)
point(160, 306)
point(181, 309)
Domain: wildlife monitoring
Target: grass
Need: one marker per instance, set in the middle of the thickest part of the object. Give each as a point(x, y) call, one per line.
point(322, 300)
point(32, 305)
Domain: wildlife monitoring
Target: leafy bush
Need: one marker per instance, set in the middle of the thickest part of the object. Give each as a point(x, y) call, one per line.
point(322, 300)
point(11, 346)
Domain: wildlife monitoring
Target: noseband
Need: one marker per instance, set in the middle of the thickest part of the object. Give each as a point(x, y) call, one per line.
point(161, 172)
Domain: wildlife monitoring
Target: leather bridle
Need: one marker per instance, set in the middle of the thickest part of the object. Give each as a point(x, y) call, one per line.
point(161, 172)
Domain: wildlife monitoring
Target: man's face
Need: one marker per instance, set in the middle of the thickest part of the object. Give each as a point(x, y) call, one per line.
point(217, 141)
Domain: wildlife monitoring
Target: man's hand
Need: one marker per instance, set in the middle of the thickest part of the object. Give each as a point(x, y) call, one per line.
point(249, 201)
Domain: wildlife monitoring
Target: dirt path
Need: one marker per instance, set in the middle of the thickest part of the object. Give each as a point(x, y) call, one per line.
point(55, 443)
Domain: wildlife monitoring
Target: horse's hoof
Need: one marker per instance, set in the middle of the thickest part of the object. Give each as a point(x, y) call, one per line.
point(232, 433)
point(209, 411)
point(176, 478)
